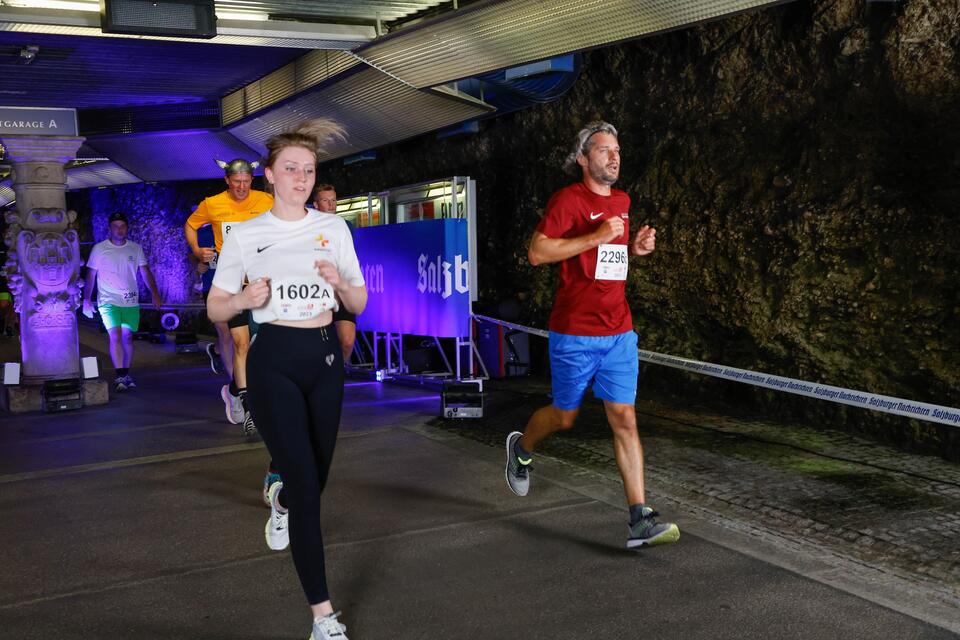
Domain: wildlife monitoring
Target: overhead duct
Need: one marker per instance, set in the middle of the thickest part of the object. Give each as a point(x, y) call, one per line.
point(259, 33)
point(303, 73)
point(374, 108)
point(99, 174)
point(497, 35)
point(95, 174)
point(385, 10)
point(172, 155)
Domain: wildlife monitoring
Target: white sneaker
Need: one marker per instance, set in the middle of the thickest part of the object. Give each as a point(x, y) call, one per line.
point(232, 404)
point(328, 628)
point(277, 534)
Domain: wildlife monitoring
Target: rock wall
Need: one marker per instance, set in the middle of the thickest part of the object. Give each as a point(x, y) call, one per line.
point(801, 165)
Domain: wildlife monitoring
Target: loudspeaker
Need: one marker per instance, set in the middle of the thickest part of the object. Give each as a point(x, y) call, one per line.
point(186, 342)
point(178, 18)
point(62, 395)
point(461, 400)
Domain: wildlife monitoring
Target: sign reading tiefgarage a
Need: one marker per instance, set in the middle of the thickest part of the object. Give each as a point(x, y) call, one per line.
point(38, 121)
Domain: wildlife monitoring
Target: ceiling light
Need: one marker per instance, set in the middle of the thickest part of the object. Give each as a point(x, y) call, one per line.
point(70, 5)
point(29, 53)
point(240, 15)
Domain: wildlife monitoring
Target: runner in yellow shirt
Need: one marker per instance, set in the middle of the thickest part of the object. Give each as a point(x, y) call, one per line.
point(238, 203)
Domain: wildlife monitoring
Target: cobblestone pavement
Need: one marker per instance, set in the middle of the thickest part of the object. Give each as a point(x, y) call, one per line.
point(894, 512)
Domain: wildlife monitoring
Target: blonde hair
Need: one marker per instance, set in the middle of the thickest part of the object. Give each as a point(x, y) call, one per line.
point(312, 135)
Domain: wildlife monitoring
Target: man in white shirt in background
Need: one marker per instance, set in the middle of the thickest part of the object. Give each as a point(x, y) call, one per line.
point(113, 264)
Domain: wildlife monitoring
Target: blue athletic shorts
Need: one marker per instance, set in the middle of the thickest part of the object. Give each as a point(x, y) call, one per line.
point(610, 363)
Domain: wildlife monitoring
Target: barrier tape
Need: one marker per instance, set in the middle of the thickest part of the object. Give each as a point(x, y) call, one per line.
point(862, 399)
point(510, 325)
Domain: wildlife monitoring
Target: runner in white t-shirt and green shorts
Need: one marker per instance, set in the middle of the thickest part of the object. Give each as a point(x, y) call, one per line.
point(113, 265)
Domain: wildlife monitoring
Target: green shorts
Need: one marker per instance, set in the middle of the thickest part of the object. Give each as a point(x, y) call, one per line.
point(114, 316)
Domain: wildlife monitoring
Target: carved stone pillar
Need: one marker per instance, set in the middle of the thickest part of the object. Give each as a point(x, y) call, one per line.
point(43, 264)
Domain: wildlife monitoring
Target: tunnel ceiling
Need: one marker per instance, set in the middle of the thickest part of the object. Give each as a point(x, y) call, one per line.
point(146, 103)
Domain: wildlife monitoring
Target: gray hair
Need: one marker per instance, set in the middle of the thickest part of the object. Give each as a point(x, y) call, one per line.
point(584, 141)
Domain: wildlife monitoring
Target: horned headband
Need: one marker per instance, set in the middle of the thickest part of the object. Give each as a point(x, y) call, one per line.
point(237, 165)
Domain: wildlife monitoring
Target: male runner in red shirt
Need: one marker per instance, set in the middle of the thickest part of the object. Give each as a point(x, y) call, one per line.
point(592, 340)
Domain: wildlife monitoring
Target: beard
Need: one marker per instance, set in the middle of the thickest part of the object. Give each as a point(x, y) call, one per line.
point(603, 175)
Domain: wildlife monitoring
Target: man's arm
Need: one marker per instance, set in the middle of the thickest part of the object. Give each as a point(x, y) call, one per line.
point(544, 250)
point(202, 254)
point(645, 242)
point(147, 276)
point(90, 278)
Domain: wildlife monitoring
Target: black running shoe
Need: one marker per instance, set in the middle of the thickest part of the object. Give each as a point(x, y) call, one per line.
point(216, 362)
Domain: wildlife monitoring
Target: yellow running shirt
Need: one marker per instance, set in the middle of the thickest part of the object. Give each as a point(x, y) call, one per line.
point(221, 210)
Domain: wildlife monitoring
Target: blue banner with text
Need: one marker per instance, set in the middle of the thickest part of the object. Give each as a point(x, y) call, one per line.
point(418, 278)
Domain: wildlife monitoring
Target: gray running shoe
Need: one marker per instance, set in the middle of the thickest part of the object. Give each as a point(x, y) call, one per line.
point(328, 628)
point(276, 532)
point(249, 429)
point(232, 404)
point(128, 380)
point(517, 471)
point(648, 532)
point(120, 383)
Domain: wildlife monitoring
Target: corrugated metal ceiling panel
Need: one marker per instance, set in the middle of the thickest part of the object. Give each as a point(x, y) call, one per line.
point(221, 39)
point(498, 35)
point(98, 175)
point(317, 66)
point(385, 10)
point(286, 82)
point(7, 195)
point(374, 109)
point(174, 155)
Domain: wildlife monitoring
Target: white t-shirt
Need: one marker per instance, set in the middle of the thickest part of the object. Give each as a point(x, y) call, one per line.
point(267, 247)
point(117, 268)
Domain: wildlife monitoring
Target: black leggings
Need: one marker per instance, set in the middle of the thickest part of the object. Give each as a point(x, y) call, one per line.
point(295, 385)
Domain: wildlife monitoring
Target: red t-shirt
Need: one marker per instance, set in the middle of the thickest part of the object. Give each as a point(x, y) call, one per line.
point(584, 305)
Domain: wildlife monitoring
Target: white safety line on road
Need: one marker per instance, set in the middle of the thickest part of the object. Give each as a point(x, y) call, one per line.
point(128, 462)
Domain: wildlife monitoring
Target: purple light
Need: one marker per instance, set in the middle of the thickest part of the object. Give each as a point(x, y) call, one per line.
point(156, 214)
point(417, 278)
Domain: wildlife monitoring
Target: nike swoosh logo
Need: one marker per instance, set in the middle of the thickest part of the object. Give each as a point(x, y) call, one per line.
point(262, 249)
point(594, 216)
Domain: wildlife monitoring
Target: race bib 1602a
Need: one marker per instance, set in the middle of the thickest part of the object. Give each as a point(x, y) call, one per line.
point(300, 298)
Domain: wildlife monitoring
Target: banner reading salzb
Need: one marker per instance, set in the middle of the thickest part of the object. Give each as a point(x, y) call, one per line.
point(418, 278)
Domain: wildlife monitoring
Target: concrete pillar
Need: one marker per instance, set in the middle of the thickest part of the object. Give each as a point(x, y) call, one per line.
point(43, 264)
